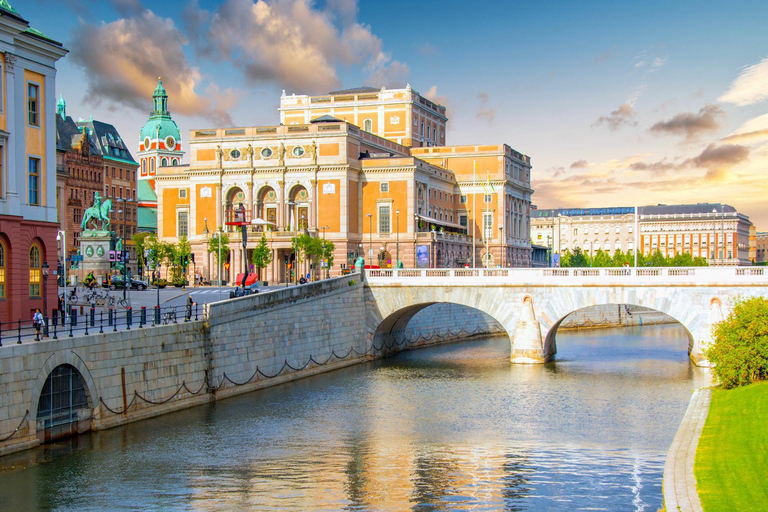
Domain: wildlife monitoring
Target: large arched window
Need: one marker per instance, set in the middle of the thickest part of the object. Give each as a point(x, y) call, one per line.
point(164, 162)
point(34, 271)
point(143, 167)
point(151, 166)
point(2, 270)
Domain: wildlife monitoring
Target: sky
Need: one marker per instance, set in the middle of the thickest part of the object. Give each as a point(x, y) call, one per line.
point(616, 103)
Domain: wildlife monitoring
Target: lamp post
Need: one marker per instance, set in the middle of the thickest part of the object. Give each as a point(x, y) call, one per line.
point(157, 282)
point(62, 237)
point(397, 235)
point(714, 236)
point(370, 238)
point(206, 233)
point(722, 228)
point(45, 269)
point(325, 261)
point(549, 250)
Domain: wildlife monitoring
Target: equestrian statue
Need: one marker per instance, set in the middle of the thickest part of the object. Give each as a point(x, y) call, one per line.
point(99, 212)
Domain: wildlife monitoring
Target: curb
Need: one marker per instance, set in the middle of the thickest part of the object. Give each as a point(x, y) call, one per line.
point(679, 480)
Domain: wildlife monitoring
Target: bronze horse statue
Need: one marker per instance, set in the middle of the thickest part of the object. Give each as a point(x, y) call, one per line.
point(98, 212)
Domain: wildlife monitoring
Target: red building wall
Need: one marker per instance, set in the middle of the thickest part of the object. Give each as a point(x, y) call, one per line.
point(18, 235)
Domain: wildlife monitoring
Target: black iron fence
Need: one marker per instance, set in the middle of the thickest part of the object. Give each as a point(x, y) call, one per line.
point(92, 321)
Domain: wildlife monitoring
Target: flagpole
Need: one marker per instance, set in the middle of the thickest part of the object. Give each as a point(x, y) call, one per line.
point(487, 209)
point(474, 168)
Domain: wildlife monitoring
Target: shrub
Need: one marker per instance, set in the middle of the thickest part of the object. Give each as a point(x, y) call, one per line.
point(739, 351)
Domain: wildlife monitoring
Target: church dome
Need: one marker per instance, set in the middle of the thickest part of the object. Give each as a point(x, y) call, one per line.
point(160, 125)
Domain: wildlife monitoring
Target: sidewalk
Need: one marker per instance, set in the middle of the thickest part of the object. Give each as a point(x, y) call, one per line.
point(679, 481)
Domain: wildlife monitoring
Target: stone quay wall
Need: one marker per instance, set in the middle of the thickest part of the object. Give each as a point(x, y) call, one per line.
point(244, 344)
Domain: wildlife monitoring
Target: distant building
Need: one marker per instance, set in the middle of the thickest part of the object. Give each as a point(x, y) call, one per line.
point(761, 247)
point(80, 175)
point(713, 231)
point(28, 209)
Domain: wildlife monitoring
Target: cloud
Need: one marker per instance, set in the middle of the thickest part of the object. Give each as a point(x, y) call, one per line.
point(291, 43)
point(659, 168)
point(127, 8)
point(427, 49)
point(443, 100)
point(691, 125)
point(718, 160)
point(607, 55)
point(579, 164)
point(749, 87)
point(622, 116)
point(485, 112)
point(123, 59)
point(747, 136)
point(556, 171)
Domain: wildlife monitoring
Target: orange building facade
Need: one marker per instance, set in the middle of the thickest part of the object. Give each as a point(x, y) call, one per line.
point(382, 198)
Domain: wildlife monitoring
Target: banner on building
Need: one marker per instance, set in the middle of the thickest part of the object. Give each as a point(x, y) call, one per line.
point(422, 256)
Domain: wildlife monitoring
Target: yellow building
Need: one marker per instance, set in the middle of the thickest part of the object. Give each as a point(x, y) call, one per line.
point(371, 195)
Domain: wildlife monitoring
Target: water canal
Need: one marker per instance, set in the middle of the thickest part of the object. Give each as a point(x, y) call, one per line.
point(445, 428)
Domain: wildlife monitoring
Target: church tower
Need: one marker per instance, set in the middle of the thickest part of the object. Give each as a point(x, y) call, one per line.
point(159, 146)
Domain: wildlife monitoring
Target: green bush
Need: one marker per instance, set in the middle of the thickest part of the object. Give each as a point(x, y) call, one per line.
point(739, 351)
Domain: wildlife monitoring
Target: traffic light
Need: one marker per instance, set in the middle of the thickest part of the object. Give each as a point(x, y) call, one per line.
point(286, 259)
point(193, 257)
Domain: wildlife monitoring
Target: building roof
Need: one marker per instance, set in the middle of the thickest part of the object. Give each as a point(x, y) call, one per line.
point(687, 209)
point(145, 192)
point(160, 125)
point(357, 90)
point(68, 132)
point(326, 119)
point(581, 212)
point(109, 141)
point(147, 219)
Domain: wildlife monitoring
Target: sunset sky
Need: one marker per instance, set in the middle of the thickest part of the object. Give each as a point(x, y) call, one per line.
point(617, 103)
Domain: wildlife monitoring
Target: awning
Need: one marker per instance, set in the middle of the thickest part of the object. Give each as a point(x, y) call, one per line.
point(430, 220)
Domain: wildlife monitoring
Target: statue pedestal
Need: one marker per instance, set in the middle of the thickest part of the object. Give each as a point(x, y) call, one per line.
point(94, 246)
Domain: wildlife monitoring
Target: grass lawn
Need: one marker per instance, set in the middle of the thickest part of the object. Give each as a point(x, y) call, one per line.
point(732, 457)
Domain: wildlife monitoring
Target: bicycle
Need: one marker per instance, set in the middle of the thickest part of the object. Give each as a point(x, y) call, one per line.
point(111, 301)
point(169, 316)
point(72, 297)
point(93, 296)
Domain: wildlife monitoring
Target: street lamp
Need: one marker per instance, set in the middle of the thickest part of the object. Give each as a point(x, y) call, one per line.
point(206, 233)
point(714, 236)
point(370, 238)
point(325, 261)
point(45, 269)
point(397, 234)
point(61, 236)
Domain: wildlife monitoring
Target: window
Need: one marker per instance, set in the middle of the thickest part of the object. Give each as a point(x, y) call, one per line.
point(120, 173)
point(33, 105)
point(487, 198)
point(463, 199)
point(34, 271)
point(151, 166)
point(164, 161)
point(618, 230)
point(368, 125)
point(384, 187)
point(385, 222)
point(488, 225)
point(463, 220)
point(182, 193)
point(33, 182)
point(575, 231)
point(2, 270)
point(183, 224)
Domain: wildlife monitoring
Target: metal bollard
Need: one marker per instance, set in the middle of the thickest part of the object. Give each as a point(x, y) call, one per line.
point(111, 314)
point(128, 317)
point(101, 322)
point(73, 317)
point(114, 324)
point(195, 311)
point(1, 334)
point(19, 342)
point(55, 317)
point(71, 321)
point(45, 326)
point(54, 330)
point(157, 315)
point(93, 316)
point(143, 317)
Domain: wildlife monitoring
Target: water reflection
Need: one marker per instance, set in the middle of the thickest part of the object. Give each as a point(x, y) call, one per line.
point(447, 428)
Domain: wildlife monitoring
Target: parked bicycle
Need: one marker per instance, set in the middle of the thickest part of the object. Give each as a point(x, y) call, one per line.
point(111, 300)
point(169, 316)
point(93, 296)
point(72, 297)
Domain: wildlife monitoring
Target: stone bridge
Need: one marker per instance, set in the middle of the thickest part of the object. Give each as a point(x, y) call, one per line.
point(531, 303)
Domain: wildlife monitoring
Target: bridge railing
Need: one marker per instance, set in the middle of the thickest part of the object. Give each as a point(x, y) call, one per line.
point(567, 276)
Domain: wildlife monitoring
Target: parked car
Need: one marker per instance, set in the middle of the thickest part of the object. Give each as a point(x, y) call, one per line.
point(116, 282)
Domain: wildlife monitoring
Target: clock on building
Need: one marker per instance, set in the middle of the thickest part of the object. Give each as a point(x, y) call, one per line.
point(170, 142)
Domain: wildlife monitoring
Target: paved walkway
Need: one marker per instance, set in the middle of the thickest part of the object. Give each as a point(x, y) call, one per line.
point(679, 481)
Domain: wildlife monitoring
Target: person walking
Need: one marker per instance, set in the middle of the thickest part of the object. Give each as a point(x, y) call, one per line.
point(37, 322)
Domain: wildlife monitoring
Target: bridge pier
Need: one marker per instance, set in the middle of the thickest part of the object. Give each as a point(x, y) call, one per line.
point(528, 346)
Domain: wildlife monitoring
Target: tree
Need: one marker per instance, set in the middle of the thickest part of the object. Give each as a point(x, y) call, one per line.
point(739, 351)
point(167, 254)
point(601, 259)
point(219, 240)
point(579, 259)
point(140, 243)
point(328, 248)
point(565, 258)
point(261, 255)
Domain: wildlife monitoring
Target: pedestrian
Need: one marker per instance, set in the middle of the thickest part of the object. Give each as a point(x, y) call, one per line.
point(37, 322)
point(61, 307)
point(190, 303)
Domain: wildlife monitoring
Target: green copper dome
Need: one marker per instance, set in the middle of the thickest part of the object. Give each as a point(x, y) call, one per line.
point(160, 125)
